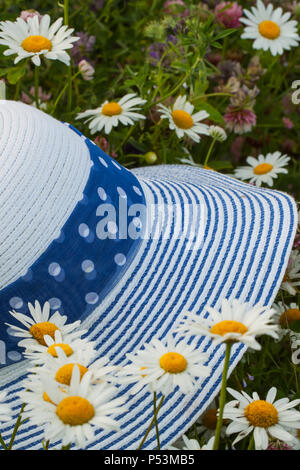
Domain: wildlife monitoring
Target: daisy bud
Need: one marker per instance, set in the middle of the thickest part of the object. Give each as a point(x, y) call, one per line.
point(150, 158)
point(217, 133)
point(25, 14)
point(86, 69)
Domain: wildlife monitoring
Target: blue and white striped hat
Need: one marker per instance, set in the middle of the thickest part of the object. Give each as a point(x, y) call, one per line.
point(126, 252)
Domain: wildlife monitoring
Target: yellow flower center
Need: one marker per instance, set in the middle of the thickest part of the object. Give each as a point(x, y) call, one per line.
point(75, 411)
point(289, 316)
point(111, 109)
point(269, 29)
point(182, 119)
point(64, 374)
point(263, 168)
point(65, 347)
point(209, 419)
point(39, 330)
point(228, 326)
point(173, 362)
point(262, 414)
point(36, 44)
point(298, 433)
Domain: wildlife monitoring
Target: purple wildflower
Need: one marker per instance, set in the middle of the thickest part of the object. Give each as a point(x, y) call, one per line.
point(156, 50)
point(82, 48)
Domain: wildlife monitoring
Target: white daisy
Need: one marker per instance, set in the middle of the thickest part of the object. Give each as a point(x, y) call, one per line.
point(40, 324)
point(111, 113)
point(38, 353)
point(165, 365)
point(263, 169)
point(264, 417)
point(236, 322)
point(285, 315)
point(183, 121)
point(291, 279)
point(217, 133)
point(270, 28)
point(5, 409)
point(193, 444)
point(72, 416)
point(35, 38)
point(60, 368)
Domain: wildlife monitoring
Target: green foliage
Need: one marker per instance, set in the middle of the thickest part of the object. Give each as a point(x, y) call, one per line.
point(194, 48)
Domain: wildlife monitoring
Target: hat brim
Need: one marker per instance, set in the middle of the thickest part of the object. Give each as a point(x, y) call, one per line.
point(248, 234)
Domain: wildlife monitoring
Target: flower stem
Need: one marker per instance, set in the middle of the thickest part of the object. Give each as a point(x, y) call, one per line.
point(3, 443)
point(178, 86)
point(125, 139)
point(70, 90)
point(66, 22)
point(156, 423)
point(290, 341)
point(45, 444)
point(17, 90)
point(16, 428)
point(61, 93)
point(251, 443)
point(209, 152)
point(66, 11)
point(196, 433)
point(152, 422)
point(66, 447)
point(222, 397)
point(36, 86)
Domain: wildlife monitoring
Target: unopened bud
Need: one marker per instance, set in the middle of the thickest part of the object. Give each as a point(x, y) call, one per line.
point(86, 69)
point(150, 158)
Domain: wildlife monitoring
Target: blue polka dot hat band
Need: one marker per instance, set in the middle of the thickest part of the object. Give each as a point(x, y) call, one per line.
point(88, 257)
point(54, 188)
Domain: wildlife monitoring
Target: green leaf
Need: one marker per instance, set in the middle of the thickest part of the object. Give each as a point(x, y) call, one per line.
point(4, 72)
point(217, 45)
point(16, 73)
point(295, 326)
point(214, 114)
point(225, 33)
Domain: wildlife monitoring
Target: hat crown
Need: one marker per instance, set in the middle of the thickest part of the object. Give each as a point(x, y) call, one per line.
point(68, 214)
point(44, 167)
